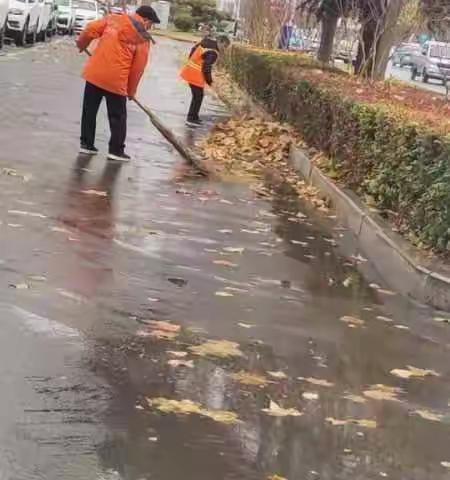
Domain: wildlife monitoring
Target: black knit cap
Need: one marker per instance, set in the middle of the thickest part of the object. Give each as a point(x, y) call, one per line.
point(147, 12)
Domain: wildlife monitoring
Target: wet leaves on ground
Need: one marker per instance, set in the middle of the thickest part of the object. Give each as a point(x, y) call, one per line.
point(413, 372)
point(177, 354)
point(317, 381)
point(181, 363)
point(428, 415)
point(225, 263)
point(383, 392)
point(365, 423)
point(217, 348)
point(248, 378)
point(276, 411)
point(352, 322)
point(355, 398)
point(278, 375)
point(188, 407)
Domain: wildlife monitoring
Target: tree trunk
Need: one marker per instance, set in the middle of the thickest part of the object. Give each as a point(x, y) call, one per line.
point(364, 59)
point(329, 26)
point(387, 39)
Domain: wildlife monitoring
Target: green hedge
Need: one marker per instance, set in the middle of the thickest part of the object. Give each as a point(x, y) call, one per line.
point(376, 149)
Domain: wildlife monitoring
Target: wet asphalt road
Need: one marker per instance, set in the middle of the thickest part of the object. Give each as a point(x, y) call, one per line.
point(91, 253)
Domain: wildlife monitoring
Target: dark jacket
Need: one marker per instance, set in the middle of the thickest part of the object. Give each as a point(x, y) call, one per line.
point(209, 58)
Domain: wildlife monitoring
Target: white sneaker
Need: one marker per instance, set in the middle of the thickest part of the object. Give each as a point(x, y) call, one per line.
point(123, 157)
point(88, 150)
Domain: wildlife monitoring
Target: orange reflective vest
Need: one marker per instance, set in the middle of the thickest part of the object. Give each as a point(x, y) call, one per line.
point(192, 72)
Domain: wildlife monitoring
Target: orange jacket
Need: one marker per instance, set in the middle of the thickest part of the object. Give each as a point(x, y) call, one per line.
point(194, 71)
point(120, 58)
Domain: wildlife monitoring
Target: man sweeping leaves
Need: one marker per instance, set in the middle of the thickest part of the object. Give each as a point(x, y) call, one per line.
point(114, 72)
point(198, 73)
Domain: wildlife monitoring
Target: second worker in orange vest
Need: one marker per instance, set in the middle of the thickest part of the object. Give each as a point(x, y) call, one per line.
point(198, 73)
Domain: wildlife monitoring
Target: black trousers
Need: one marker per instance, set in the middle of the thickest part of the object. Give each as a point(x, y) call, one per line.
point(197, 99)
point(117, 115)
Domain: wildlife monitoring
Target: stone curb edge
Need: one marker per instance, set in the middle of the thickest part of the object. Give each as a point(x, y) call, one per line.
point(394, 259)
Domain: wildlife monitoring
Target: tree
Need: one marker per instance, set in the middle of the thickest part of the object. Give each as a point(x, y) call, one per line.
point(437, 15)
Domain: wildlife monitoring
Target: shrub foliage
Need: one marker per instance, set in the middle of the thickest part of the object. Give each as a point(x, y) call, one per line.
point(392, 155)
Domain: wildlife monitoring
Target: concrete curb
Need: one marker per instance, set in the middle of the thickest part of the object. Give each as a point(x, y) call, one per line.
point(404, 268)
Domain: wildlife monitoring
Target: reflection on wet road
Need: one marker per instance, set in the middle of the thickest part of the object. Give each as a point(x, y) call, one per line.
point(125, 287)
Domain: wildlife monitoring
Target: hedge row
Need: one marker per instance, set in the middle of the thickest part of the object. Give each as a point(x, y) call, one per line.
point(377, 149)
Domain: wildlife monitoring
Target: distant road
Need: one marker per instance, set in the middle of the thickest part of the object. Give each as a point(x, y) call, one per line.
point(404, 74)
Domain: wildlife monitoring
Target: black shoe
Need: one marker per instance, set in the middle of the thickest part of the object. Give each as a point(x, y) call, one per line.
point(119, 157)
point(194, 122)
point(88, 150)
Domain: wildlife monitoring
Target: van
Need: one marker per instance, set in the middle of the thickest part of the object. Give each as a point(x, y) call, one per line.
point(432, 62)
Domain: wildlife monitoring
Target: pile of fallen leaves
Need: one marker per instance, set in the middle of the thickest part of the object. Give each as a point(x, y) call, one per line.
point(254, 148)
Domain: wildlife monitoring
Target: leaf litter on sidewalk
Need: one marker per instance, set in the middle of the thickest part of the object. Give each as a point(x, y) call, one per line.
point(251, 379)
point(410, 372)
point(275, 410)
point(217, 348)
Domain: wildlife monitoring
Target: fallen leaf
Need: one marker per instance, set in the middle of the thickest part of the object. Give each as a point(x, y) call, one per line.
point(413, 372)
point(27, 214)
point(335, 422)
point(217, 348)
point(237, 290)
point(384, 319)
point(445, 464)
point(224, 294)
point(247, 378)
point(276, 477)
point(298, 242)
point(152, 439)
point(347, 282)
point(95, 192)
point(427, 415)
point(226, 231)
point(239, 250)
point(355, 398)
point(179, 282)
point(177, 354)
point(181, 363)
point(310, 396)
point(276, 411)
point(352, 421)
point(356, 322)
point(442, 320)
point(317, 381)
point(278, 375)
point(401, 327)
point(188, 407)
point(20, 286)
point(383, 392)
point(164, 326)
point(225, 263)
point(246, 325)
point(383, 291)
point(159, 334)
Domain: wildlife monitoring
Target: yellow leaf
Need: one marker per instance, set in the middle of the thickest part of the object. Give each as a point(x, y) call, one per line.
point(413, 372)
point(310, 396)
point(317, 381)
point(352, 321)
point(217, 348)
point(276, 411)
point(383, 392)
point(247, 378)
point(164, 326)
point(177, 354)
point(427, 415)
point(181, 363)
point(355, 398)
point(276, 477)
point(225, 263)
point(278, 375)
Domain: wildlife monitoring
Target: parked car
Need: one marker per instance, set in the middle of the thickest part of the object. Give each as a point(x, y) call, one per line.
point(433, 62)
point(404, 54)
point(23, 21)
point(47, 24)
point(4, 7)
point(65, 16)
point(85, 11)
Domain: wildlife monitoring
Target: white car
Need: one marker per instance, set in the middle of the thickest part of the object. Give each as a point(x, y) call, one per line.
point(85, 11)
point(65, 16)
point(23, 21)
point(46, 16)
point(4, 7)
